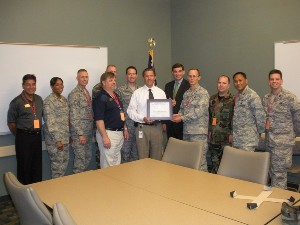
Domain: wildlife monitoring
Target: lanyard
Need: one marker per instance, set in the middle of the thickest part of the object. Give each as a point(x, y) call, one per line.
point(270, 103)
point(217, 101)
point(216, 104)
point(115, 98)
point(32, 106)
point(87, 97)
point(236, 96)
point(190, 99)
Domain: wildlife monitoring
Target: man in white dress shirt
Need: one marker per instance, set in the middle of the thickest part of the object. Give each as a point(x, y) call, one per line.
point(149, 137)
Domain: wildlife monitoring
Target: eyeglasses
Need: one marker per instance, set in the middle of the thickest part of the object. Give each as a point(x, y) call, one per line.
point(192, 76)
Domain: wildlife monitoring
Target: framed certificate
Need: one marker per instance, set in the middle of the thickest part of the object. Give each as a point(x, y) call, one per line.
point(159, 109)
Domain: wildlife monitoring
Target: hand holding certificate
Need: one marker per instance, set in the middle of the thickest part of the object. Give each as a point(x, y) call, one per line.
point(176, 118)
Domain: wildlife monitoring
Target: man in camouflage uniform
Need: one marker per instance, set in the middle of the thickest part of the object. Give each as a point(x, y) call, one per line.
point(282, 122)
point(220, 121)
point(129, 150)
point(81, 120)
point(249, 116)
point(56, 128)
point(194, 113)
point(96, 90)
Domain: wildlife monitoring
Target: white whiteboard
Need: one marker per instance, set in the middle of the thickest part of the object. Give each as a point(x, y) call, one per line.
point(287, 59)
point(45, 62)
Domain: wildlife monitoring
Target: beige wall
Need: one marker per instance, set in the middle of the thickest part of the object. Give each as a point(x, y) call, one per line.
point(122, 26)
point(234, 35)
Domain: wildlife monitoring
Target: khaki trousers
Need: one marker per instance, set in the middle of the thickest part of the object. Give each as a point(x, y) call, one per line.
point(149, 141)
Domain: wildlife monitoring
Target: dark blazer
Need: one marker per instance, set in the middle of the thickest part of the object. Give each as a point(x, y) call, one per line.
point(184, 86)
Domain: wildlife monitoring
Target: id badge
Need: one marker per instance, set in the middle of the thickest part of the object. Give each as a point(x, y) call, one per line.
point(122, 115)
point(36, 124)
point(267, 124)
point(214, 121)
point(140, 134)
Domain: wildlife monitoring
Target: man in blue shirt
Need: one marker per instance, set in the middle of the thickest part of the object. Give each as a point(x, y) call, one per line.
point(110, 121)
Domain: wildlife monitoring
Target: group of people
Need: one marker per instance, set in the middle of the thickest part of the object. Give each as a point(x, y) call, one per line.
point(236, 120)
point(116, 116)
point(66, 121)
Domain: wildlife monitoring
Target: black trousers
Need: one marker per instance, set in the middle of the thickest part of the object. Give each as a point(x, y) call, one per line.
point(29, 157)
point(174, 130)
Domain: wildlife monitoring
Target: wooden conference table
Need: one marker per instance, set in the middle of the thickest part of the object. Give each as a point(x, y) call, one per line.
point(148, 192)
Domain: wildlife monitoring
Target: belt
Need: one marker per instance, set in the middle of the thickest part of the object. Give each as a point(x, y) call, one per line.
point(31, 132)
point(115, 129)
point(136, 124)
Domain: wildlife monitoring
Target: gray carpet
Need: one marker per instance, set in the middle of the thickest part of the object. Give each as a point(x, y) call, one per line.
point(8, 214)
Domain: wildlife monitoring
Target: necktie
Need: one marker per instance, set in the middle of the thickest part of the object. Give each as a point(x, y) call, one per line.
point(150, 94)
point(175, 89)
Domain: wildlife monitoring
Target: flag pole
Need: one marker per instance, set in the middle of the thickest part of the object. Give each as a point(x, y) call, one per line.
point(151, 44)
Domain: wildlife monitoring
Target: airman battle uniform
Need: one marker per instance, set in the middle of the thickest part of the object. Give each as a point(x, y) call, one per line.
point(194, 114)
point(129, 150)
point(282, 123)
point(248, 120)
point(81, 120)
